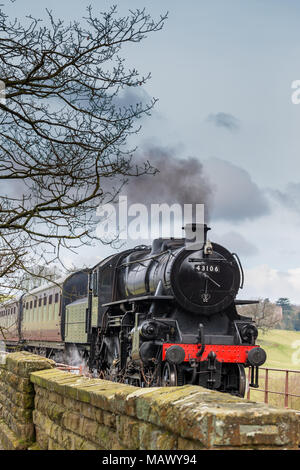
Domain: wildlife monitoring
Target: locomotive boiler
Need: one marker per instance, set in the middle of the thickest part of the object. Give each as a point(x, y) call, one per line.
point(166, 315)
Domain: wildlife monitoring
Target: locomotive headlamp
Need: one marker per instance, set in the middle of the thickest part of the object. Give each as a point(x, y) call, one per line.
point(257, 356)
point(249, 333)
point(149, 329)
point(208, 249)
point(175, 354)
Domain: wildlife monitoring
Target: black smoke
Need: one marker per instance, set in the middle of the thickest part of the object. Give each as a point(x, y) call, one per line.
point(177, 180)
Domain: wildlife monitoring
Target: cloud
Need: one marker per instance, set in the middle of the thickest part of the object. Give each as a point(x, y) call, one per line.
point(235, 196)
point(132, 96)
point(265, 281)
point(225, 120)
point(289, 198)
point(237, 243)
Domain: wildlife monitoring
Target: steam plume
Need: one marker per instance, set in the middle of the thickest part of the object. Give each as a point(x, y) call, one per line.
point(178, 180)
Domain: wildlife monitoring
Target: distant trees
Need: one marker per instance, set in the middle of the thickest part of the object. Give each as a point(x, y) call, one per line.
point(267, 315)
point(280, 314)
point(297, 321)
point(287, 313)
point(36, 276)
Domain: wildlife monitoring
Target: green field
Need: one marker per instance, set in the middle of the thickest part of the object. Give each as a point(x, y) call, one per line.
point(283, 352)
point(281, 347)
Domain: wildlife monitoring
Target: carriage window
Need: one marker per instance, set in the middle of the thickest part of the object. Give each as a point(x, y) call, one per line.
point(35, 303)
point(50, 299)
point(56, 298)
point(26, 306)
point(30, 304)
point(40, 301)
point(45, 300)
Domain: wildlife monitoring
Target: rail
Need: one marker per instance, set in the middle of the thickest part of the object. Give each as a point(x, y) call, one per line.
point(68, 368)
point(286, 393)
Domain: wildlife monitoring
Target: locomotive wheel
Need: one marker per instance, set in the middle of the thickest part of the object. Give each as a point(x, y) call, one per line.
point(169, 375)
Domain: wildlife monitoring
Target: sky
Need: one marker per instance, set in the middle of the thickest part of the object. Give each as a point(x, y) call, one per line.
point(223, 74)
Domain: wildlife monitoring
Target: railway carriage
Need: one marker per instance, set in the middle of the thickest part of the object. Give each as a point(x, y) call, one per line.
point(39, 315)
point(9, 322)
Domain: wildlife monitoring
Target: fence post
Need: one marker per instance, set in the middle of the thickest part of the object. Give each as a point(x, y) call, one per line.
point(286, 390)
point(267, 386)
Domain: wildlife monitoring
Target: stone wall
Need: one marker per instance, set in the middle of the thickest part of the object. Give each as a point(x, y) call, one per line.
point(72, 412)
point(17, 399)
point(82, 413)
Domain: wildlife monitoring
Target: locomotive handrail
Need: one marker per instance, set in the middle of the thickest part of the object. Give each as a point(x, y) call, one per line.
point(142, 297)
point(241, 270)
point(139, 261)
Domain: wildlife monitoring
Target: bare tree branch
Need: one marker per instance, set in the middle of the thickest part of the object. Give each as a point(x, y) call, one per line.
point(62, 132)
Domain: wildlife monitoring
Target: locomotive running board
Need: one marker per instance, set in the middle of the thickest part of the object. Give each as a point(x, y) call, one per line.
point(245, 302)
point(152, 298)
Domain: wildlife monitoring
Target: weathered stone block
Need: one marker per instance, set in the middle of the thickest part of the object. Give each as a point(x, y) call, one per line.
point(111, 398)
point(23, 400)
point(187, 444)
point(9, 440)
point(91, 412)
point(18, 383)
point(128, 431)
point(72, 421)
point(153, 438)
point(56, 398)
point(53, 445)
point(71, 404)
point(23, 363)
point(41, 438)
point(21, 414)
point(107, 439)
point(109, 419)
point(22, 430)
point(42, 421)
point(89, 429)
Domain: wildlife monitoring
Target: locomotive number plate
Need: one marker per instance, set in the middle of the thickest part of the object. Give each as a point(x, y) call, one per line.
point(207, 268)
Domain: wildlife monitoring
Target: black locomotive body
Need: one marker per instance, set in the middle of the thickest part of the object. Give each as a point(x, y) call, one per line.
point(166, 315)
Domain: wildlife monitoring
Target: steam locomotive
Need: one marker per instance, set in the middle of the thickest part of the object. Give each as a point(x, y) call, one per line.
point(163, 315)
